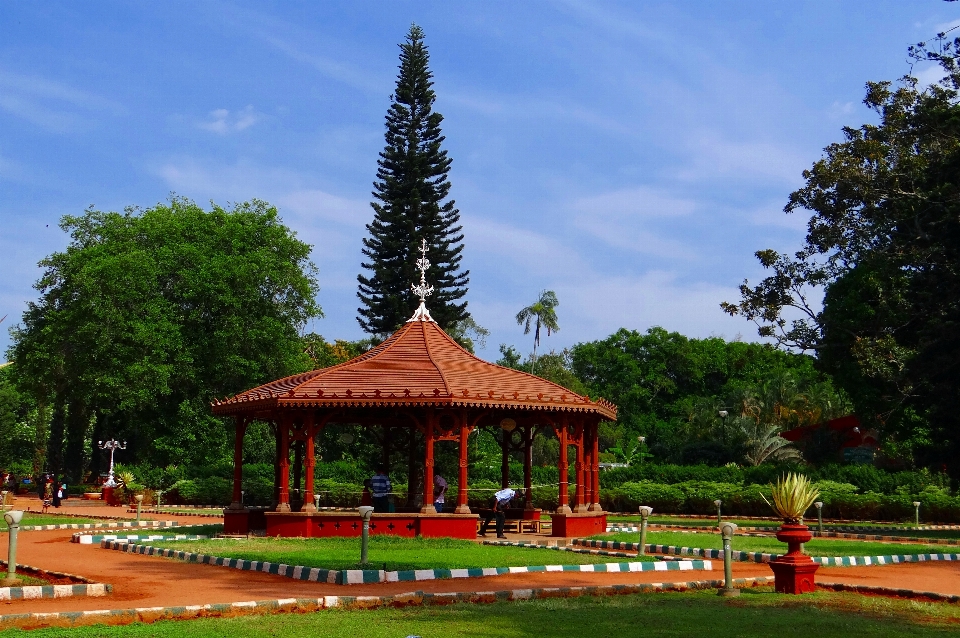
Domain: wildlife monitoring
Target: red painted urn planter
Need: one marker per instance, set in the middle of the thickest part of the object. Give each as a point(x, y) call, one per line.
point(793, 572)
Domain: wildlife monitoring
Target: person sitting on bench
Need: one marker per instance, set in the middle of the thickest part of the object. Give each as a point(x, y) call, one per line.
point(501, 501)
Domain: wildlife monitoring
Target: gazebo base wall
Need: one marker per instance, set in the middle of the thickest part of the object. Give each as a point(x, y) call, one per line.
point(326, 524)
point(243, 521)
point(585, 524)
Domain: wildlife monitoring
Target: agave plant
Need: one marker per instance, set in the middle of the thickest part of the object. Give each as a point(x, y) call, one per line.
point(793, 495)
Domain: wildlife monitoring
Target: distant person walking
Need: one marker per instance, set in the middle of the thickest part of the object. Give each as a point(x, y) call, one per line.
point(439, 491)
point(47, 493)
point(501, 501)
point(57, 494)
point(380, 488)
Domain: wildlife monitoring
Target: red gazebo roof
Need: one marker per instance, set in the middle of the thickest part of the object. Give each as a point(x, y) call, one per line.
point(418, 365)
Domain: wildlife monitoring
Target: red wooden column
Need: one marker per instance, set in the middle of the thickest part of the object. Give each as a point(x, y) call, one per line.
point(284, 498)
point(595, 505)
point(238, 464)
point(427, 507)
point(528, 468)
point(462, 506)
point(564, 497)
point(309, 463)
point(580, 497)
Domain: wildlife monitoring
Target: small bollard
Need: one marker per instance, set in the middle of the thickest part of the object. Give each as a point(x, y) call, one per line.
point(819, 506)
point(316, 501)
point(159, 495)
point(3, 499)
point(139, 498)
point(645, 512)
point(727, 530)
point(916, 513)
point(365, 512)
point(719, 520)
point(13, 519)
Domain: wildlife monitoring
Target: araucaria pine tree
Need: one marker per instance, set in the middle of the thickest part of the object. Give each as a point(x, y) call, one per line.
point(411, 205)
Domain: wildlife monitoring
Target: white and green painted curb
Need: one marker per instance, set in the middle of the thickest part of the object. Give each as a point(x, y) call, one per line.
point(86, 538)
point(305, 605)
point(33, 592)
point(119, 524)
point(366, 576)
point(759, 557)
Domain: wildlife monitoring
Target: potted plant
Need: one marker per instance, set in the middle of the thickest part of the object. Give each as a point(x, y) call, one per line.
point(793, 572)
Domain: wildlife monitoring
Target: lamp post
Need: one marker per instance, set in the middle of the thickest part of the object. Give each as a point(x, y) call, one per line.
point(316, 501)
point(365, 512)
point(645, 512)
point(12, 518)
point(727, 531)
point(723, 428)
point(139, 498)
point(113, 445)
point(3, 498)
point(819, 506)
point(719, 520)
point(640, 440)
point(916, 513)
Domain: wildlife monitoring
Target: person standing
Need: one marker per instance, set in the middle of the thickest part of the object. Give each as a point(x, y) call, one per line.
point(439, 490)
point(501, 501)
point(380, 488)
point(47, 488)
point(57, 494)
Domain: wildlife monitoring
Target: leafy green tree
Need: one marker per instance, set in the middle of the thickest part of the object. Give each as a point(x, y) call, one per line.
point(883, 245)
point(541, 313)
point(148, 315)
point(412, 205)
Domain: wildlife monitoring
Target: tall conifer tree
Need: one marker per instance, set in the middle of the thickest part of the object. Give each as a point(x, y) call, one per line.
point(409, 206)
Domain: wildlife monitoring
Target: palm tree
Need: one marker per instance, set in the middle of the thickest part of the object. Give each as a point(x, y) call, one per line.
point(764, 443)
point(541, 314)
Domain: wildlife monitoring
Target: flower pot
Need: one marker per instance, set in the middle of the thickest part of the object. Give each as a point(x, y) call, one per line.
point(794, 571)
point(92, 496)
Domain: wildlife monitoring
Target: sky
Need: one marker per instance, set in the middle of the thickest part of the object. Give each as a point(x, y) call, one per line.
point(629, 156)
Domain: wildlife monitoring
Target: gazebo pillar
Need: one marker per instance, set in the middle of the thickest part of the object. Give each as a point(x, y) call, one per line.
point(528, 468)
point(237, 501)
point(284, 497)
point(310, 463)
point(595, 505)
point(580, 497)
point(462, 506)
point(563, 506)
point(427, 507)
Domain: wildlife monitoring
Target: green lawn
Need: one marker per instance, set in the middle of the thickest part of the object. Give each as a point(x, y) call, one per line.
point(390, 551)
point(758, 612)
point(26, 580)
point(48, 519)
point(816, 547)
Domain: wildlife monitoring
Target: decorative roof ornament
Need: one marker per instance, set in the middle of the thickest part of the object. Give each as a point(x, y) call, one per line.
point(423, 290)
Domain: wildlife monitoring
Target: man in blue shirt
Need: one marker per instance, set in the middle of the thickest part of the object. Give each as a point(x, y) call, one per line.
point(501, 501)
point(380, 490)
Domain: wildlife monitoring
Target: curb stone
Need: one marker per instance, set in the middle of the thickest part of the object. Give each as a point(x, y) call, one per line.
point(41, 528)
point(759, 557)
point(417, 598)
point(32, 592)
point(78, 536)
point(367, 576)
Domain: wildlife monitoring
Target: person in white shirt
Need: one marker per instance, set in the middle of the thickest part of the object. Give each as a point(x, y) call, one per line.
point(439, 490)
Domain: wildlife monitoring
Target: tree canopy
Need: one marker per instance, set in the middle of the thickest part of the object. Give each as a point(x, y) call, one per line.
point(412, 205)
point(149, 314)
point(883, 245)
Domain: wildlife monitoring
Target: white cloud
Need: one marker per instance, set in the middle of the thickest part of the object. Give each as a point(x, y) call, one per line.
point(714, 157)
point(49, 104)
point(222, 121)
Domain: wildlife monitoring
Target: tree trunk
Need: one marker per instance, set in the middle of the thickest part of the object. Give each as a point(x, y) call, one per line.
point(55, 442)
point(77, 426)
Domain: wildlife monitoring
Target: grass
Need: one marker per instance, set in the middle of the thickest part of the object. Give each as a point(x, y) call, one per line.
point(816, 547)
point(26, 581)
point(758, 612)
point(386, 552)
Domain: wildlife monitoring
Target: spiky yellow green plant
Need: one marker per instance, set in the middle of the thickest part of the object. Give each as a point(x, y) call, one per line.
point(792, 495)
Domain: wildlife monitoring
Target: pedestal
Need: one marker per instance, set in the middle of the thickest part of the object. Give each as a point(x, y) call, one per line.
point(794, 571)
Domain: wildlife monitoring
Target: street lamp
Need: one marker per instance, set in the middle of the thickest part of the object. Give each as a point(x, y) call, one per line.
point(916, 513)
point(723, 428)
point(718, 502)
point(113, 445)
point(640, 440)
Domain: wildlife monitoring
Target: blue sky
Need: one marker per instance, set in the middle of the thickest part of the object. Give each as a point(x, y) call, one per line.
point(629, 156)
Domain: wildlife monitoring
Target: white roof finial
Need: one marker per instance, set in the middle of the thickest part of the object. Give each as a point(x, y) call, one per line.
point(423, 290)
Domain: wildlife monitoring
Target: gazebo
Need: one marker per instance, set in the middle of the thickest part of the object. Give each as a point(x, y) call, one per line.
point(421, 378)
